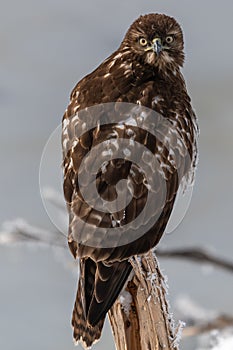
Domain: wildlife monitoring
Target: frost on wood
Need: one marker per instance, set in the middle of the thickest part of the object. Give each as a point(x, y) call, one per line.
point(125, 299)
point(147, 323)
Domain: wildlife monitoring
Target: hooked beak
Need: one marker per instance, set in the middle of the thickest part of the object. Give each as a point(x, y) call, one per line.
point(157, 46)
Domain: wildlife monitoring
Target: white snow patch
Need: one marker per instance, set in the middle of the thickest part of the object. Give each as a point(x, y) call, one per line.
point(125, 300)
point(224, 344)
point(217, 340)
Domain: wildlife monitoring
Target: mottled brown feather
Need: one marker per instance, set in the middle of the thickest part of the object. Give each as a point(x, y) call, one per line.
point(128, 75)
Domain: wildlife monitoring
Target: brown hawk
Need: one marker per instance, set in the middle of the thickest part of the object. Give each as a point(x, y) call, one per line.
point(134, 105)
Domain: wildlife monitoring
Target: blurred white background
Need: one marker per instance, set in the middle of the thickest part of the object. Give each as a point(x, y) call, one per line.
point(45, 48)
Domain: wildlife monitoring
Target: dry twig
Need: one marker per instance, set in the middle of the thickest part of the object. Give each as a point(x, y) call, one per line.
point(198, 255)
point(220, 322)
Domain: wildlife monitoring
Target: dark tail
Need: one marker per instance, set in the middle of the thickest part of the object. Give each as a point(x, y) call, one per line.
point(98, 288)
point(83, 332)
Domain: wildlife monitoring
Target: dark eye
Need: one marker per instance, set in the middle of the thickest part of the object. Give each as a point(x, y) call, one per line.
point(169, 39)
point(142, 41)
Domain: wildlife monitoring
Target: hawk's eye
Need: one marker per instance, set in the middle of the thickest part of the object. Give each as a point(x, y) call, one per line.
point(142, 41)
point(169, 39)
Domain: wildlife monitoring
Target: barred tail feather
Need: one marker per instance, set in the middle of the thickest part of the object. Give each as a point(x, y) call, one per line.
point(98, 288)
point(84, 333)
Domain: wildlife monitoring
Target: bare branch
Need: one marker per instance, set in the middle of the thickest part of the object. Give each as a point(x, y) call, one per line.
point(198, 255)
point(20, 231)
point(198, 319)
point(220, 322)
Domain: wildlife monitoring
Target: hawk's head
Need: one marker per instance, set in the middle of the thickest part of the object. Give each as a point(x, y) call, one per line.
point(156, 39)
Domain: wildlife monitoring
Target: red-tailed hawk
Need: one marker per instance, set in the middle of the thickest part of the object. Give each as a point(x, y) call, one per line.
point(129, 132)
